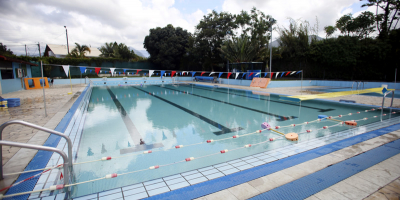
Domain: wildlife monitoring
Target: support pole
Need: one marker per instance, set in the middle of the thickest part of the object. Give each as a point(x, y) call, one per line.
point(69, 72)
point(44, 96)
point(301, 88)
point(26, 53)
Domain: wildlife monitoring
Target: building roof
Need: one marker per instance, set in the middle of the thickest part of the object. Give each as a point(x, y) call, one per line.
point(16, 60)
point(63, 51)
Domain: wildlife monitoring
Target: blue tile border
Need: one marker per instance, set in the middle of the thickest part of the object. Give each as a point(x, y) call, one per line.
point(218, 184)
point(41, 158)
point(320, 180)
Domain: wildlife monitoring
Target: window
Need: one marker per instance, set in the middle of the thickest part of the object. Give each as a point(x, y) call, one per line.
point(6, 70)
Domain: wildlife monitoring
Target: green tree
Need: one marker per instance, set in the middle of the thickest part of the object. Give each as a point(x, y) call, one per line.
point(167, 45)
point(241, 49)
point(4, 51)
point(257, 25)
point(329, 30)
point(385, 20)
point(115, 50)
point(345, 24)
point(109, 50)
point(210, 34)
point(79, 51)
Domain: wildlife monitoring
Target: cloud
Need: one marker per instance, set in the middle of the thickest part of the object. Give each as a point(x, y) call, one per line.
point(326, 11)
point(89, 22)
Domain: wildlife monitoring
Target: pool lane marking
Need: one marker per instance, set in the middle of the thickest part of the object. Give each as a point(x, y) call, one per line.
point(320, 109)
point(281, 118)
point(223, 129)
point(126, 119)
point(130, 127)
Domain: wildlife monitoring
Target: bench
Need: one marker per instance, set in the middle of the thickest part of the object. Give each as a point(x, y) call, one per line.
point(206, 78)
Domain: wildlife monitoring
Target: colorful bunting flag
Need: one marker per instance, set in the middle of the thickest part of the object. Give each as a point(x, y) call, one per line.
point(211, 73)
point(66, 68)
point(229, 74)
point(83, 69)
point(292, 72)
point(202, 73)
point(97, 70)
point(219, 75)
point(151, 72)
point(193, 73)
point(137, 72)
point(237, 74)
point(287, 73)
point(112, 71)
point(172, 74)
point(277, 74)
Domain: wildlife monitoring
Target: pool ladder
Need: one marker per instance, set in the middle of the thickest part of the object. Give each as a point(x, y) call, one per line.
point(358, 83)
point(66, 159)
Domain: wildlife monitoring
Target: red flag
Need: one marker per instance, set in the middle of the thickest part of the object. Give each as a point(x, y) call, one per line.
point(287, 74)
point(272, 73)
point(97, 70)
point(172, 73)
point(138, 71)
point(202, 73)
point(61, 176)
point(229, 74)
point(251, 73)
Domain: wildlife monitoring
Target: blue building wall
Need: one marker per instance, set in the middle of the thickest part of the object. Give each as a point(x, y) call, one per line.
point(13, 85)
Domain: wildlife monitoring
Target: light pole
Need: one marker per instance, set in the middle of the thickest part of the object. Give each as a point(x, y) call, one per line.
point(272, 20)
point(66, 33)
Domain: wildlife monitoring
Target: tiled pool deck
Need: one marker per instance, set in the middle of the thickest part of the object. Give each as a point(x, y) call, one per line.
point(171, 183)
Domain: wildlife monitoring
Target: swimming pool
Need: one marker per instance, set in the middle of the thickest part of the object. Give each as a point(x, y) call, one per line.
point(166, 116)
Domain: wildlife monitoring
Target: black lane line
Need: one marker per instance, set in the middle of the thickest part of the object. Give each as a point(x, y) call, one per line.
point(281, 118)
point(128, 123)
point(223, 129)
point(320, 109)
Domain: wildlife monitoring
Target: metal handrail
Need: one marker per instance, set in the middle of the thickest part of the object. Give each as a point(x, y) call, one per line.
point(383, 101)
point(39, 128)
point(38, 147)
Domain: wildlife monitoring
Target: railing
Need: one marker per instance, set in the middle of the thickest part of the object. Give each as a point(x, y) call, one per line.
point(358, 84)
point(38, 128)
point(383, 101)
point(38, 147)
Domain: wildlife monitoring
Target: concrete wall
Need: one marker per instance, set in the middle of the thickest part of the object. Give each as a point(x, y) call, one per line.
point(11, 85)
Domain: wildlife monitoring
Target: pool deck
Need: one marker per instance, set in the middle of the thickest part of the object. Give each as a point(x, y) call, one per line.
point(31, 110)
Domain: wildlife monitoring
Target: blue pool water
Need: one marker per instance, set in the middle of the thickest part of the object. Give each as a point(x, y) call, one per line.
point(163, 116)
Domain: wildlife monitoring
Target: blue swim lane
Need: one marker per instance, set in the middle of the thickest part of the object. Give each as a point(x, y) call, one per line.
point(215, 185)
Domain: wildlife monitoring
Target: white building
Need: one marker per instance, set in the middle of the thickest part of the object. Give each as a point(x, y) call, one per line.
point(61, 51)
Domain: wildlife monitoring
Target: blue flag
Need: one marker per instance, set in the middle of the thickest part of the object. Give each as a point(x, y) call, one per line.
point(282, 73)
point(124, 70)
point(156, 74)
point(220, 74)
point(145, 74)
point(82, 69)
point(243, 74)
point(193, 73)
point(162, 73)
point(298, 72)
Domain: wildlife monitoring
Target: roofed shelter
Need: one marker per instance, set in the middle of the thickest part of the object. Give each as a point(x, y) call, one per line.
point(61, 51)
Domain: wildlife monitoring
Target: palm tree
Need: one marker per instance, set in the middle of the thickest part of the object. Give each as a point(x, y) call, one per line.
point(79, 51)
point(240, 49)
point(109, 50)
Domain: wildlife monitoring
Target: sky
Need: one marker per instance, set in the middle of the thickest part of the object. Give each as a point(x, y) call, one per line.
point(94, 22)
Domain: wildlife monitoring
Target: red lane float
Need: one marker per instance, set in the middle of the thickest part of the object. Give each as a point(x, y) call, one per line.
point(56, 187)
point(247, 145)
point(154, 167)
point(111, 175)
point(106, 158)
point(309, 131)
point(224, 151)
point(147, 151)
point(189, 159)
point(178, 146)
point(235, 136)
point(209, 141)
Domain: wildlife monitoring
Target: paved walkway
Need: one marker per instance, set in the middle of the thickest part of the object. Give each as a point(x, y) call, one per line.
point(380, 181)
point(31, 110)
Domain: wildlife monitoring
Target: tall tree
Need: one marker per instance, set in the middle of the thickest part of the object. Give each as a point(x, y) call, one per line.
point(79, 51)
point(345, 24)
point(167, 45)
point(109, 50)
point(4, 51)
point(210, 34)
point(360, 27)
point(385, 20)
point(329, 30)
